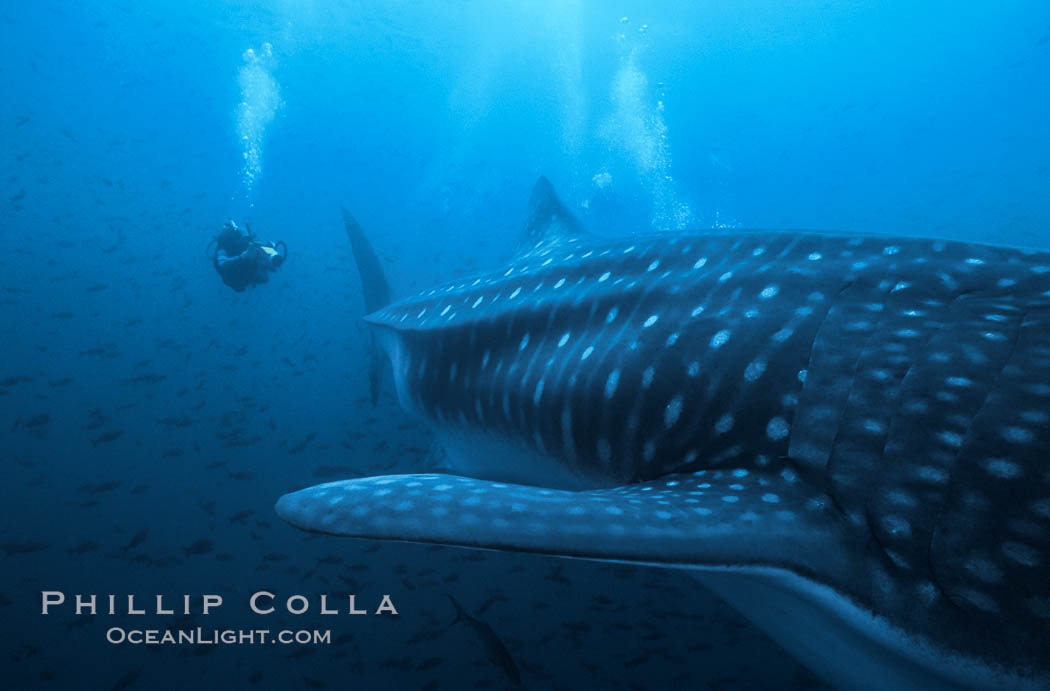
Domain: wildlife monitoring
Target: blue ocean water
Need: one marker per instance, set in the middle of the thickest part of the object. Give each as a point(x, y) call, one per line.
point(151, 416)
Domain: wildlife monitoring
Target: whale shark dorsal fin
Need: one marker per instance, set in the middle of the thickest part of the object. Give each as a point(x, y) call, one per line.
point(547, 222)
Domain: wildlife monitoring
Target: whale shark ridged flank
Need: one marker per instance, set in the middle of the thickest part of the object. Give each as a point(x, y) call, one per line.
point(846, 437)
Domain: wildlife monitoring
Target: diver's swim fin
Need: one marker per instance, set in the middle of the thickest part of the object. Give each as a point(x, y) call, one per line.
point(376, 293)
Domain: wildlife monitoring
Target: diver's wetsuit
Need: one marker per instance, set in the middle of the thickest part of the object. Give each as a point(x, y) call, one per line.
point(242, 261)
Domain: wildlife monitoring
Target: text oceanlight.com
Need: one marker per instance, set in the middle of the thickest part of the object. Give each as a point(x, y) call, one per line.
point(200, 636)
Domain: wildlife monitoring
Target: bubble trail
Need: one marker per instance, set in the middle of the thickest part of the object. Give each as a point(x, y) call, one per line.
point(260, 99)
point(637, 127)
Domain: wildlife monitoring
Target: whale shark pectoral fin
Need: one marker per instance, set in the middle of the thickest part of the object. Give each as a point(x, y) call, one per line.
point(716, 518)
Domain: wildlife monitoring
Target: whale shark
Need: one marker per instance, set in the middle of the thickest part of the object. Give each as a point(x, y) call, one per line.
point(846, 437)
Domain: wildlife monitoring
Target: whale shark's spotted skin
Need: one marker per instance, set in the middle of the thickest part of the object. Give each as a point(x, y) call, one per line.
point(871, 414)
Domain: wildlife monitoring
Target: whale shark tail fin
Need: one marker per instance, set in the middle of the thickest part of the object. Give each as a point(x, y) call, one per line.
point(374, 286)
point(547, 222)
point(376, 293)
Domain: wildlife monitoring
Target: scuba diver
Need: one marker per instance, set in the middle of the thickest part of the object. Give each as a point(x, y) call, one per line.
point(242, 260)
